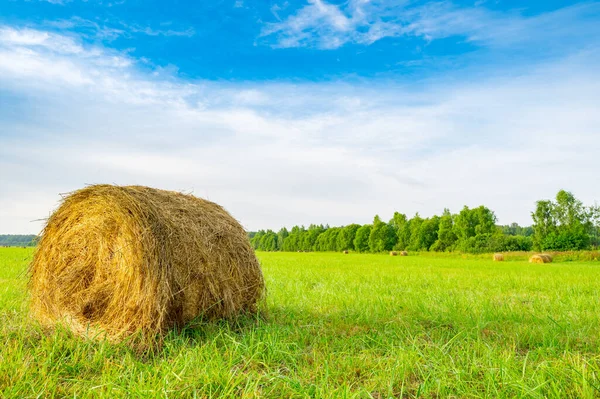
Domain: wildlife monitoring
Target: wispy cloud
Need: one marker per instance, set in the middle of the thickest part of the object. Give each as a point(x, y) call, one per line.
point(280, 153)
point(59, 2)
point(134, 28)
point(107, 30)
point(328, 26)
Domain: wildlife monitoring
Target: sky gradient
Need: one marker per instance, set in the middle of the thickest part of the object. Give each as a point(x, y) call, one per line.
point(299, 112)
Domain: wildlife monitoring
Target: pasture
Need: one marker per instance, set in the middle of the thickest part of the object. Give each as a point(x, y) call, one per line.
point(340, 326)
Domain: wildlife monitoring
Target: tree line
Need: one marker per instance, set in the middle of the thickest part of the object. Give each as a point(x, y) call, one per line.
point(16, 240)
point(563, 224)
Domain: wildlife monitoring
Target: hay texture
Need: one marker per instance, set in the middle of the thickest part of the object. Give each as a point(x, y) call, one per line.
point(540, 258)
point(393, 253)
point(403, 253)
point(122, 260)
point(498, 257)
point(345, 252)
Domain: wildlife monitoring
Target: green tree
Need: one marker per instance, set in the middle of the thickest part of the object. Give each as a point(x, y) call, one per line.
point(268, 241)
point(543, 223)
point(327, 241)
point(309, 239)
point(595, 220)
point(415, 230)
point(446, 235)
point(361, 241)
point(346, 237)
point(294, 240)
point(562, 225)
point(401, 226)
point(281, 237)
point(428, 233)
point(465, 223)
point(256, 239)
point(382, 236)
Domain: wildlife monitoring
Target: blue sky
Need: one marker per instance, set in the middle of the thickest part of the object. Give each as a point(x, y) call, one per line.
point(294, 112)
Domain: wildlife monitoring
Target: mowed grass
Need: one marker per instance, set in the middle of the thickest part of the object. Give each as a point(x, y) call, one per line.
point(341, 326)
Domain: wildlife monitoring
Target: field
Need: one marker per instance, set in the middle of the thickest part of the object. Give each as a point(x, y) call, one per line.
point(341, 326)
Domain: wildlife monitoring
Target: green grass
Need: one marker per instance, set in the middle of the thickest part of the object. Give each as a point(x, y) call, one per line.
point(341, 326)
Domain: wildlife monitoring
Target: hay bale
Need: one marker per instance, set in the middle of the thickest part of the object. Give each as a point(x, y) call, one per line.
point(393, 253)
point(403, 253)
point(122, 260)
point(540, 258)
point(345, 251)
point(498, 257)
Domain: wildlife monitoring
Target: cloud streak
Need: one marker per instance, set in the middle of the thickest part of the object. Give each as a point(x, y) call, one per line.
point(328, 26)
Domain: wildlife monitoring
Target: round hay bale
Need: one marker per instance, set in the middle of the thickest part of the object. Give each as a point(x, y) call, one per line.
point(498, 257)
point(393, 253)
point(403, 253)
point(541, 258)
point(345, 251)
point(121, 260)
point(547, 258)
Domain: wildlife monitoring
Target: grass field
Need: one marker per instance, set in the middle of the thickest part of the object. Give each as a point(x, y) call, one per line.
point(341, 326)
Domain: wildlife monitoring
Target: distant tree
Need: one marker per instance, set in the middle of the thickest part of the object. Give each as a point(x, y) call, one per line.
point(268, 241)
point(562, 225)
point(595, 221)
point(515, 230)
point(293, 242)
point(465, 223)
point(327, 241)
point(428, 233)
point(361, 241)
point(382, 236)
point(256, 239)
point(346, 237)
point(415, 232)
point(18, 240)
point(446, 235)
point(476, 229)
point(486, 220)
point(309, 239)
point(543, 223)
point(281, 237)
point(401, 226)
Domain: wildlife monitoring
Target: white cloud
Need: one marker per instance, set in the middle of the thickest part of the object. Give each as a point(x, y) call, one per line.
point(279, 154)
point(31, 38)
point(328, 26)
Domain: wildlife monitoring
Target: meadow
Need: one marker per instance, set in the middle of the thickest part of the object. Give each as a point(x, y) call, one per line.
point(340, 326)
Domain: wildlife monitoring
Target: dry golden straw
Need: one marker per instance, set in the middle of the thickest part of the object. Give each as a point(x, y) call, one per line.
point(498, 257)
point(540, 258)
point(403, 253)
point(122, 260)
point(393, 253)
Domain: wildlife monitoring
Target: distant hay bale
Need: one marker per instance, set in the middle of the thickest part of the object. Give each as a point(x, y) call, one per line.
point(122, 260)
point(393, 253)
point(345, 251)
point(498, 257)
point(403, 253)
point(540, 258)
